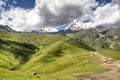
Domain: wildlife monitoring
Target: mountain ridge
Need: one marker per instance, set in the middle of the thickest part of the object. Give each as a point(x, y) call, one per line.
point(56, 56)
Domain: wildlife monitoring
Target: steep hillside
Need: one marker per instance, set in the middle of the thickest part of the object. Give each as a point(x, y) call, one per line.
point(14, 50)
point(100, 38)
point(113, 37)
point(12, 54)
point(92, 38)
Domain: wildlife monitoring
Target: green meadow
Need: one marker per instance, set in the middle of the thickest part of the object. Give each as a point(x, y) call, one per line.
point(50, 56)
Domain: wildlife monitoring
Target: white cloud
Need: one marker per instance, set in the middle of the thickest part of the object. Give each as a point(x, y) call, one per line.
point(21, 19)
point(47, 13)
point(58, 12)
point(2, 3)
point(14, 2)
point(108, 14)
point(114, 2)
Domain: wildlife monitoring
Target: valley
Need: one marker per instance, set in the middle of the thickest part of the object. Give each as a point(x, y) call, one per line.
point(54, 57)
point(59, 39)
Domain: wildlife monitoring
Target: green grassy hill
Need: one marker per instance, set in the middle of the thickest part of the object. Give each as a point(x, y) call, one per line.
point(52, 57)
point(11, 36)
point(62, 59)
point(12, 54)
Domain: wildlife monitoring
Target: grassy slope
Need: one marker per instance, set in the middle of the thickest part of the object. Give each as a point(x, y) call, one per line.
point(11, 36)
point(14, 53)
point(62, 58)
point(89, 36)
point(59, 57)
point(42, 40)
point(13, 50)
point(111, 53)
point(15, 75)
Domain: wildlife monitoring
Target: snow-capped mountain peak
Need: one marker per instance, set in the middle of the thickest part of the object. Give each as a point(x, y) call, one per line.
point(76, 25)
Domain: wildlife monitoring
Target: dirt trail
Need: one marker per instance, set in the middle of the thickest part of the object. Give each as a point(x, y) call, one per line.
point(112, 74)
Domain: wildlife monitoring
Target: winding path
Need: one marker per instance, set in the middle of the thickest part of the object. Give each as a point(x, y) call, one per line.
point(112, 74)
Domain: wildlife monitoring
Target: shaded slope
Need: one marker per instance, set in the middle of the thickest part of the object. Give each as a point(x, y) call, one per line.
point(79, 44)
point(14, 53)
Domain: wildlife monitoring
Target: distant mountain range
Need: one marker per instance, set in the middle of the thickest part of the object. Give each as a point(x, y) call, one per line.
point(62, 55)
point(74, 26)
point(97, 38)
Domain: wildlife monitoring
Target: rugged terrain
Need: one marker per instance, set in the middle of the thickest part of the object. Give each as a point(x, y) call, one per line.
point(100, 37)
point(57, 56)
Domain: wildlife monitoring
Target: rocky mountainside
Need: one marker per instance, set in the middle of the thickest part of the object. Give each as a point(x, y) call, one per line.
point(100, 37)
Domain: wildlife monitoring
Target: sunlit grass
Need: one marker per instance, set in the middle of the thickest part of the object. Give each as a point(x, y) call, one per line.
point(111, 53)
point(58, 57)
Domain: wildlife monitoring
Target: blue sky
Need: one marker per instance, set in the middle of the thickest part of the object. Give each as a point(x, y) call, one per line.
point(29, 4)
point(26, 4)
point(103, 2)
